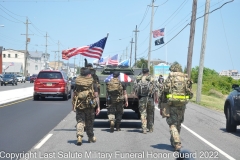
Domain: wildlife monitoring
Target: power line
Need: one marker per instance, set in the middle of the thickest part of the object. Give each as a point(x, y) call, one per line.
point(174, 12)
point(9, 19)
point(226, 38)
point(11, 12)
point(189, 24)
point(12, 16)
point(144, 15)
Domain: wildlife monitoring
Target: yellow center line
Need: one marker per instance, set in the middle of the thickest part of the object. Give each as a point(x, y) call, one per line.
point(19, 101)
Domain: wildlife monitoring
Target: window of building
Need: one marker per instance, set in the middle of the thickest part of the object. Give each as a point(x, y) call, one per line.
point(16, 56)
point(36, 67)
point(9, 55)
point(28, 64)
point(4, 55)
point(36, 60)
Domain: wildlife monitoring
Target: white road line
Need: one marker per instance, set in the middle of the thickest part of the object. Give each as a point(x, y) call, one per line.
point(43, 141)
point(208, 143)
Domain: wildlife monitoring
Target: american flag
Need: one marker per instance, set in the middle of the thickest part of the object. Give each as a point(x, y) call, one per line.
point(11, 64)
point(122, 77)
point(158, 33)
point(113, 60)
point(93, 50)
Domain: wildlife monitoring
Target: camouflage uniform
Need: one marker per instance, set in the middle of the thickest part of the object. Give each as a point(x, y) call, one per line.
point(85, 111)
point(174, 114)
point(146, 108)
point(116, 108)
point(85, 117)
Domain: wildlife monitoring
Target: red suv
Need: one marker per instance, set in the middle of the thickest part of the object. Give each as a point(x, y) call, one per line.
point(52, 83)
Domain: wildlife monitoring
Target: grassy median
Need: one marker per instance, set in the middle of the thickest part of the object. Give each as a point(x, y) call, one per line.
point(214, 100)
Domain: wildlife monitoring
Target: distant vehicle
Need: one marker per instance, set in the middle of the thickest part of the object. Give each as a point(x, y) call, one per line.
point(1, 78)
point(33, 78)
point(73, 82)
point(21, 78)
point(9, 79)
point(27, 78)
point(232, 109)
point(52, 83)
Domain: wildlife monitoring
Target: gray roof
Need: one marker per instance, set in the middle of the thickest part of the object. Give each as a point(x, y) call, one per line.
point(23, 51)
point(35, 54)
point(16, 67)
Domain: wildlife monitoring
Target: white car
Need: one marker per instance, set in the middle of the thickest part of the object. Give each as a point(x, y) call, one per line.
point(21, 78)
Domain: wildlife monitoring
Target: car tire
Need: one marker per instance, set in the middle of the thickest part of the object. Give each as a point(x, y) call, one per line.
point(35, 97)
point(229, 126)
point(16, 83)
point(1, 84)
point(70, 94)
point(4, 84)
point(65, 97)
point(12, 84)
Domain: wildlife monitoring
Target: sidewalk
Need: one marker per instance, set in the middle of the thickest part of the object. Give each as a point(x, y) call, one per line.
point(15, 94)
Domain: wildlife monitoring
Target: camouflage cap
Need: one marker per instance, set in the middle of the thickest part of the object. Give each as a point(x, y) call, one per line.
point(116, 73)
point(145, 70)
point(175, 67)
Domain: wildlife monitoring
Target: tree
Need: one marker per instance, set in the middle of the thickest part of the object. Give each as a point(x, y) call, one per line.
point(142, 63)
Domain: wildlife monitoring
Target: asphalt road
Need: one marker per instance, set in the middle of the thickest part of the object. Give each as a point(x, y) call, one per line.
point(47, 130)
point(23, 124)
point(19, 85)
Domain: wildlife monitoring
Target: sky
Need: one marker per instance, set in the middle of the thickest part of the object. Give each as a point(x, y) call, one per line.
point(76, 23)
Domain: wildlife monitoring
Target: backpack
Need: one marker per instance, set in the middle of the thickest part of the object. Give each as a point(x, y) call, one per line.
point(85, 93)
point(144, 86)
point(179, 89)
point(114, 89)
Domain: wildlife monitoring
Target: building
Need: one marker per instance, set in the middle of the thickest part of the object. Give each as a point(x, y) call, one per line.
point(230, 73)
point(36, 62)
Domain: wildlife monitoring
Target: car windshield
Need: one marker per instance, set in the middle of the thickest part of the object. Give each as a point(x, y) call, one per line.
point(19, 76)
point(8, 76)
point(49, 75)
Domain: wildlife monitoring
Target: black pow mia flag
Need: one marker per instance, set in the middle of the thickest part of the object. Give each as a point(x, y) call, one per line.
point(159, 41)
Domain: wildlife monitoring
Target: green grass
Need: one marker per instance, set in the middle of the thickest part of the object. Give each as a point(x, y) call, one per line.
point(214, 100)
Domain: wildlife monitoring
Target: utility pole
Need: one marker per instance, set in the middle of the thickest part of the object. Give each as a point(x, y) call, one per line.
point(201, 63)
point(26, 50)
point(55, 56)
point(131, 53)
point(150, 38)
point(191, 39)
point(45, 57)
point(135, 45)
